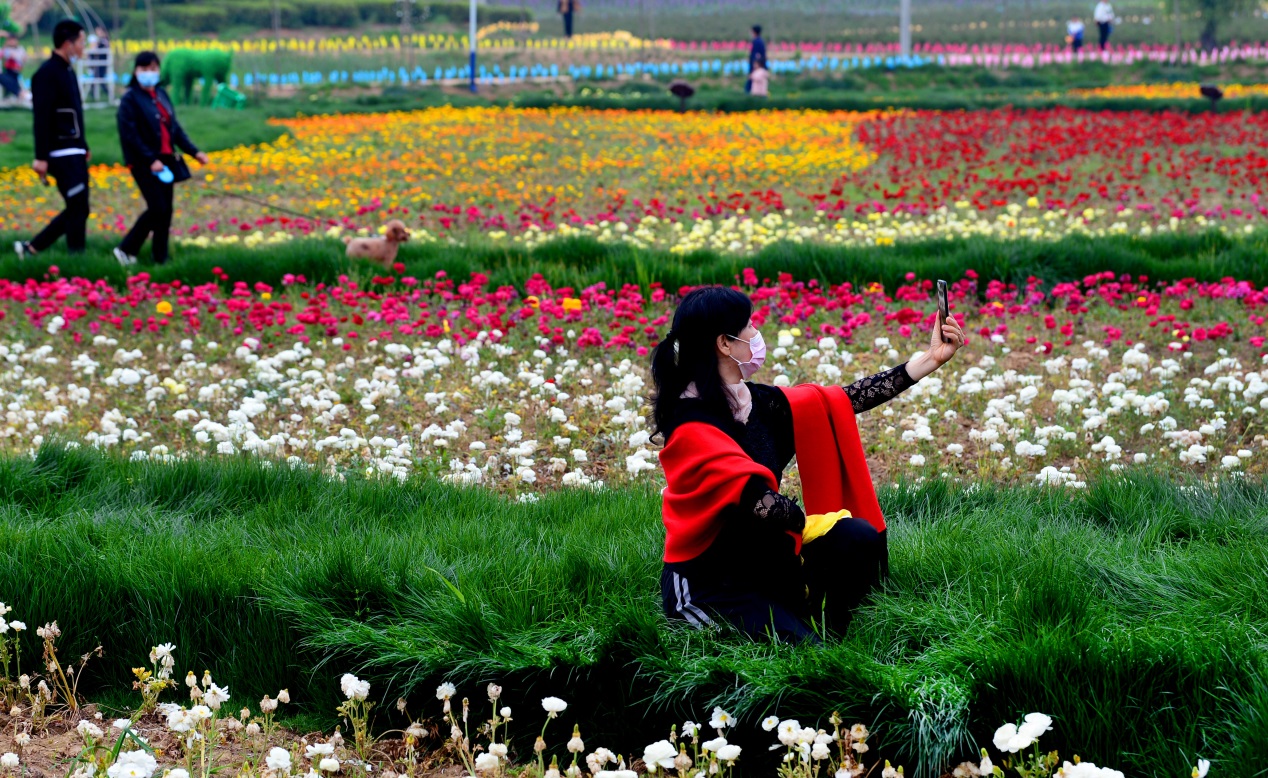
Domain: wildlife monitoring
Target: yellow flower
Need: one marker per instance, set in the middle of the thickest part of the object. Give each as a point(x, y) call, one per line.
point(266, 296)
point(572, 304)
point(163, 307)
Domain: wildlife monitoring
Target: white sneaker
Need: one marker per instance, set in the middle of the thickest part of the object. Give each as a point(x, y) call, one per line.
point(124, 259)
point(22, 249)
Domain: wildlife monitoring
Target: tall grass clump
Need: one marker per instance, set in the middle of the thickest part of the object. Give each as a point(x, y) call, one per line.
point(1132, 611)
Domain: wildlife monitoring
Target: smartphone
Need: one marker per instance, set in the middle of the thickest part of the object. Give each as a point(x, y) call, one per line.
point(944, 307)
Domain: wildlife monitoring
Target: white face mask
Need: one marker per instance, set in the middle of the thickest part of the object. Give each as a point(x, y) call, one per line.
point(147, 78)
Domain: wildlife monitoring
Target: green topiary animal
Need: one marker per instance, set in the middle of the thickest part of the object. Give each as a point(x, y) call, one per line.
point(6, 21)
point(182, 68)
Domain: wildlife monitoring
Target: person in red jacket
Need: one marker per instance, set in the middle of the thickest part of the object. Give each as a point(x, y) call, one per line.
point(737, 550)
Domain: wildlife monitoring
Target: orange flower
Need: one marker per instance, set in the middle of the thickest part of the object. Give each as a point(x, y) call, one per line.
point(572, 304)
point(163, 307)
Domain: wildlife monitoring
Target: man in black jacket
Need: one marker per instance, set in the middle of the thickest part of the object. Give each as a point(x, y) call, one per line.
point(61, 150)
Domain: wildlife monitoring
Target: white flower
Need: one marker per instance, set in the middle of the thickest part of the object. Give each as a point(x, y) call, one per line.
point(770, 722)
point(328, 765)
point(278, 759)
point(505, 713)
point(88, 729)
point(485, 762)
point(788, 731)
point(177, 772)
point(729, 753)
point(284, 696)
point(660, 754)
point(133, 764)
point(22, 739)
point(9, 761)
point(121, 724)
point(690, 729)
point(721, 719)
point(1034, 725)
point(353, 687)
point(498, 750)
point(17, 626)
point(445, 691)
point(713, 745)
point(1010, 738)
point(917, 460)
point(319, 749)
point(553, 706)
point(1203, 766)
point(820, 751)
point(215, 696)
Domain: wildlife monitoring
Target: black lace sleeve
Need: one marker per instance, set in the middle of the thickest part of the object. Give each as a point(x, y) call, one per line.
point(867, 393)
point(771, 507)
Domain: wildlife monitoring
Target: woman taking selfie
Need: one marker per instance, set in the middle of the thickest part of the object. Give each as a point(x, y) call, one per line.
point(737, 550)
point(151, 137)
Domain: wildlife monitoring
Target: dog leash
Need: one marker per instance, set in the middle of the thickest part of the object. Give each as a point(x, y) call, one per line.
point(261, 203)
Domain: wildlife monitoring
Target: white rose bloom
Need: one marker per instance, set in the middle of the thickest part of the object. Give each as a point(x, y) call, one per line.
point(9, 761)
point(553, 706)
point(279, 759)
point(660, 754)
point(328, 765)
point(729, 753)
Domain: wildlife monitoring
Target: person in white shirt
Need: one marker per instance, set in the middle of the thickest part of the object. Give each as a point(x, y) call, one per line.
point(1104, 16)
point(1074, 34)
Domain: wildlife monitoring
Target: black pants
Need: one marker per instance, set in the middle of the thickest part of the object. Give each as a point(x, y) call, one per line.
point(157, 217)
point(821, 590)
point(1104, 28)
point(71, 174)
point(567, 24)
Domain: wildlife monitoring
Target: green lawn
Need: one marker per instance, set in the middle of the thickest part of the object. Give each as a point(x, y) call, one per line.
point(1133, 612)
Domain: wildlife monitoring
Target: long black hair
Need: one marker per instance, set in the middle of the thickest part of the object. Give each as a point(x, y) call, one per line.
point(143, 60)
point(687, 354)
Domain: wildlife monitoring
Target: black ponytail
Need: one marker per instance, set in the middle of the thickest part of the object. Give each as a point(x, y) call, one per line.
point(688, 353)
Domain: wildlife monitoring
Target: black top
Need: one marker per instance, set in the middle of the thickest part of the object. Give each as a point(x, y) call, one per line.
point(139, 134)
point(58, 109)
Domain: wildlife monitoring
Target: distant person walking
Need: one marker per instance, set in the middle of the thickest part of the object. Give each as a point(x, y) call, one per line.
point(99, 46)
point(61, 151)
point(756, 52)
point(759, 79)
point(151, 137)
point(1074, 34)
point(568, 10)
point(13, 58)
point(1104, 16)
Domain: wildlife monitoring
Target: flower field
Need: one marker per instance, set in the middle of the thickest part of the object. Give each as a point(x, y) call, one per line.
point(536, 388)
point(731, 183)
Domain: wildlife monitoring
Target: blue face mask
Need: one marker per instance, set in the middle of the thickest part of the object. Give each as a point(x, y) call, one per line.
point(147, 78)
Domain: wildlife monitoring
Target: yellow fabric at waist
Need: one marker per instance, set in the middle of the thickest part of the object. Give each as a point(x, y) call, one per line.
point(819, 524)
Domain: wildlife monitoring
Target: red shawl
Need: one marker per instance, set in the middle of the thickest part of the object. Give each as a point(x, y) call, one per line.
point(830, 457)
point(706, 470)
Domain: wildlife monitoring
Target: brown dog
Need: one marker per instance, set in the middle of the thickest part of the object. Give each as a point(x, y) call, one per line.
point(381, 250)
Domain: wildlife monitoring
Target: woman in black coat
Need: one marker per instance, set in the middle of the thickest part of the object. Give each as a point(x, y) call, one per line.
point(152, 140)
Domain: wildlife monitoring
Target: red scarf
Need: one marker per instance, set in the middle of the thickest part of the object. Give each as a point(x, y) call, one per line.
point(830, 456)
point(165, 118)
point(706, 470)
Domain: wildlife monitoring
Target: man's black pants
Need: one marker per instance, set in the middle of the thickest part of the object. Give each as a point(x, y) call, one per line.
point(71, 174)
point(157, 217)
point(567, 24)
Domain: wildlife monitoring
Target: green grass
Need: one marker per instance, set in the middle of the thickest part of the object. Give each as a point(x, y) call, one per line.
point(1133, 612)
point(581, 262)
